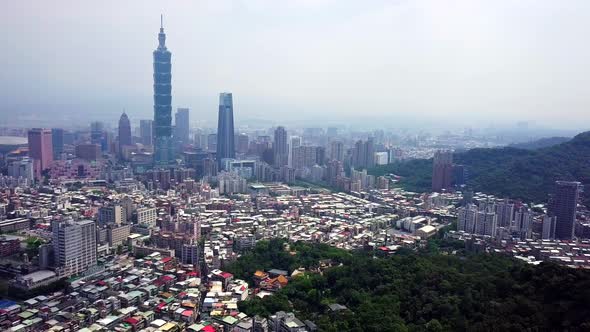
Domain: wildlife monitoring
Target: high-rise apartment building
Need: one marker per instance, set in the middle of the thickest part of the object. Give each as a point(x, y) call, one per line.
point(486, 223)
point(124, 132)
point(40, 149)
point(163, 147)
point(549, 224)
point(363, 154)
point(335, 171)
point(337, 151)
point(146, 132)
point(467, 218)
point(57, 141)
point(74, 246)
point(442, 170)
point(523, 222)
point(305, 156)
point(563, 206)
point(280, 148)
point(181, 125)
point(212, 142)
point(96, 131)
point(242, 143)
point(505, 212)
point(294, 142)
point(225, 128)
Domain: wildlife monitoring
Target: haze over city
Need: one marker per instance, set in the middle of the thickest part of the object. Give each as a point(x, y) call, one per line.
point(427, 64)
point(294, 166)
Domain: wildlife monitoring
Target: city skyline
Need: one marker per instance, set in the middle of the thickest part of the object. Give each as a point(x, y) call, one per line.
point(479, 82)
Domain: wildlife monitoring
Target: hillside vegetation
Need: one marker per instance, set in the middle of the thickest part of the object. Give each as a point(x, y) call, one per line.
point(540, 143)
point(424, 291)
point(508, 172)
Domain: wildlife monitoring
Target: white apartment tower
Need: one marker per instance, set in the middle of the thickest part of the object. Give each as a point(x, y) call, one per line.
point(74, 246)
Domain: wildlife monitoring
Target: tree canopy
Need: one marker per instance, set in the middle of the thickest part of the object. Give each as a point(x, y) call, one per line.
point(426, 292)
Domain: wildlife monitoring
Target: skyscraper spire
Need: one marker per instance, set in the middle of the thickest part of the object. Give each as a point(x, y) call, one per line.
point(162, 35)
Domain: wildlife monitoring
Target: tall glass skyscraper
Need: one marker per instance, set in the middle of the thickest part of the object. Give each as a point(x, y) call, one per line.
point(225, 128)
point(163, 148)
point(181, 125)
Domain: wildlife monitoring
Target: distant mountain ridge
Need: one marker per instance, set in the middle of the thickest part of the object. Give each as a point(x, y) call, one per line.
point(540, 143)
point(508, 172)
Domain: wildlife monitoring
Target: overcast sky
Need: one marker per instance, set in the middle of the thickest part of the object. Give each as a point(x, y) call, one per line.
point(465, 62)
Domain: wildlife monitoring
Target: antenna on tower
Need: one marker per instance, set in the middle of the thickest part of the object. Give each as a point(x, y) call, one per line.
point(161, 21)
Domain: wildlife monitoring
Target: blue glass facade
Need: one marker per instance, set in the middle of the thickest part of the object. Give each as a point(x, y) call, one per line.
point(162, 128)
point(225, 128)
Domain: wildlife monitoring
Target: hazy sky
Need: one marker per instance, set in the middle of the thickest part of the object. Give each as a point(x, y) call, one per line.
point(344, 61)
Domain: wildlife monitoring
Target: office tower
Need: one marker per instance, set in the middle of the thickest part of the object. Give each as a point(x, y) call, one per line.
point(459, 175)
point(146, 131)
point(98, 135)
point(40, 149)
point(442, 170)
point(294, 143)
point(523, 222)
point(57, 141)
point(114, 214)
point(74, 246)
point(320, 155)
point(505, 212)
point(549, 224)
point(281, 151)
point(225, 128)
point(363, 154)
point(124, 132)
point(334, 171)
point(212, 143)
point(563, 207)
point(163, 149)
point(181, 125)
point(242, 143)
point(337, 151)
point(87, 151)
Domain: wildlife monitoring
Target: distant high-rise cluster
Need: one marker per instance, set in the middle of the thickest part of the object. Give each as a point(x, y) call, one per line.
point(472, 220)
point(496, 218)
point(442, 171)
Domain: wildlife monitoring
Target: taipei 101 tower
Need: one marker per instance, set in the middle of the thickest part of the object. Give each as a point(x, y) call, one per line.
point(162, 130)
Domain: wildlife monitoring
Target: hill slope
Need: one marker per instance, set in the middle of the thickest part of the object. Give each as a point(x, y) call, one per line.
point(509, 172)
point(540, 143)
point(421, 292)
